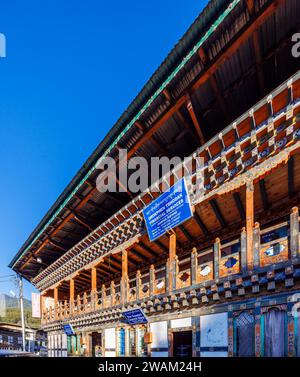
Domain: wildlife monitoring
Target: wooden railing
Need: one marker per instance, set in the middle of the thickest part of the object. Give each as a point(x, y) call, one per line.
point(271, 245)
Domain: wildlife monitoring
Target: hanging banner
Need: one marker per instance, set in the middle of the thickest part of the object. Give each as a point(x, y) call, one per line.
point(36, 305)
point(172, 208)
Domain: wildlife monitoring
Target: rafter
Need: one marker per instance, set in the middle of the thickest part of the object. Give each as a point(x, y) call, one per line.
point(214, 205)
point(195, 120)
point(239, 205)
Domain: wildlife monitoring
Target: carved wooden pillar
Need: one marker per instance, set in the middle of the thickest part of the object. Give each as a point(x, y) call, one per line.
point(171, 264)
point(124, 282)
point(249, 222)
point(217, 257)
point(294, 233)
point(256, 245)
point(151, 280)
point(72, 295)
point(103, 295)
point(112, 293)
point(194, 265)
point(243, 250)
point(55, 293)
point(94, 287)
point(138, 284)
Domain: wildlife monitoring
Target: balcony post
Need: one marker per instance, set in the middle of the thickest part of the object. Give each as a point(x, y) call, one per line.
point(249, 222)
point(103, 295)
point(112, 293)
point(124, 281)
point(72, 295)
point(55, 293)
point(243, 250)
point(294, 233)
point(138, 284)
point(217, 257)
point(194, 265)
point(172, 263)
point(93, 286)
point(256, 245)
point(151, 280)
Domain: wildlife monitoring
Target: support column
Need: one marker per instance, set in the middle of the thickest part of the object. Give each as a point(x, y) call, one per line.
point(194, 265)
point(294, 233)
point(112, 293)
point(103, 295)
point(172, 262)
point(217, 257)
point(94, 287)
point(256, 245)
point(138, 284)
point(124, 286)
point(152, 279)
point(72, 294)
point(249, 222)
point(56, 302)
point(243, 250)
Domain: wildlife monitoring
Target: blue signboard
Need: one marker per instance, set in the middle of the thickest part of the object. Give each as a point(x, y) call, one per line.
point(68, 329)
point(168, 211)
point(135, 317)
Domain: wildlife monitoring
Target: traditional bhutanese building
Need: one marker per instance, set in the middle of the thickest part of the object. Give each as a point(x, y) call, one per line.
point(226, 281)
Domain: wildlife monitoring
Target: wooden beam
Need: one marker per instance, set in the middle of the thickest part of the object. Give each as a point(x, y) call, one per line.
point(215, 207)
point(124, 282)
point(186, 124)
point(94, 279)
point(148, 249)
point(186, 233)
point(195, 120)
point(57, 245)
point(249, 222)
point(161, 246)
point(239, 205)
point(214, 84)
point(139, 255)
point(200, 223)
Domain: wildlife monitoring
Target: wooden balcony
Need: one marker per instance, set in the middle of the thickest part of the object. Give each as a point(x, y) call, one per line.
point(213, 270)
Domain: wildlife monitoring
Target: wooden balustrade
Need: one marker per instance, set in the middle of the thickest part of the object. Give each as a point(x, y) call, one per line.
point(271, 245)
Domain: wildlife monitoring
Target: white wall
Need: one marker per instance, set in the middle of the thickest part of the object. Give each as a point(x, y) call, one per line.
point(183, 322)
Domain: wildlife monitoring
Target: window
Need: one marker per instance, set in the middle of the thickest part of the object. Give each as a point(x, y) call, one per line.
point(20, 340)
point(1, 339)
point(245, 328)
point(274, 235)
point(10, 339)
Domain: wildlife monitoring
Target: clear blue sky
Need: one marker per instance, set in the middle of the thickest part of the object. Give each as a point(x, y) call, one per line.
point(72, 68)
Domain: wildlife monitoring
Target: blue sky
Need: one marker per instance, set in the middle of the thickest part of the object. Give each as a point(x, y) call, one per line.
point(72, 68)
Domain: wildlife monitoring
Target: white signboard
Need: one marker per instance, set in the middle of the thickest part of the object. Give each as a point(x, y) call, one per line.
point(110, 342)
point(36, 305)
point(159, 346)
point(214, 334)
